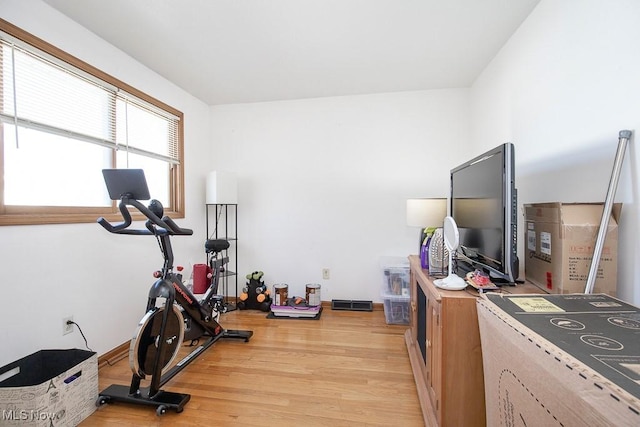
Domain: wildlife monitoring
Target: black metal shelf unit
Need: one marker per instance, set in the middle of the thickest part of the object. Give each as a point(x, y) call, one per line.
point(222, 223)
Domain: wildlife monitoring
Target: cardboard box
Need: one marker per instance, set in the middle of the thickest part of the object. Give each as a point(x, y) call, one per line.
point(49, 388)
point(560, 239)
point(560, 360)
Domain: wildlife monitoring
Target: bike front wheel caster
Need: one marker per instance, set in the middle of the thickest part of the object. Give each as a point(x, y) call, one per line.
point(102, 400)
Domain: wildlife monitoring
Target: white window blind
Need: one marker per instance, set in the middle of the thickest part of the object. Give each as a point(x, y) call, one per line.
point(42, 93)
point(56, 116)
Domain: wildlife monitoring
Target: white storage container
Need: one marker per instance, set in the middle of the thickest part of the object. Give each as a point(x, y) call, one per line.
point(395, 289)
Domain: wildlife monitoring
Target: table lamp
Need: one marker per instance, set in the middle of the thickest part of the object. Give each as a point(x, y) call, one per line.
point(428, 214)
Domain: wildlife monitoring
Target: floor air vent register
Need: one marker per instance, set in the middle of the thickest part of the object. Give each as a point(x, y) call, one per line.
point(354, 305)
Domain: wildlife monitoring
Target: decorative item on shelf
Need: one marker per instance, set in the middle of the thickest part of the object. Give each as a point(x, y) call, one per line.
point(452, 282)
point(222, 188)
point(425, 213)
point(480, 280)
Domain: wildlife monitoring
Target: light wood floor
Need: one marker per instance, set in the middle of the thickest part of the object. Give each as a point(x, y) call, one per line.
point(347, 369)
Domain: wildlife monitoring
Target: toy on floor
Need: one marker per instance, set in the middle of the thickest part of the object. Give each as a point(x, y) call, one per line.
point(255, 295)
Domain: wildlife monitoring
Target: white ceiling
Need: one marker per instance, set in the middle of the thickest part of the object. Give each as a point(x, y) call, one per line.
point(237, 51)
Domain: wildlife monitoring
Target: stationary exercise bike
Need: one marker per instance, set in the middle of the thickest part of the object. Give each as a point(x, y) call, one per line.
point(163, 327)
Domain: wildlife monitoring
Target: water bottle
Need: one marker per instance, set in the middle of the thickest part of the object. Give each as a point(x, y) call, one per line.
point(424, 252)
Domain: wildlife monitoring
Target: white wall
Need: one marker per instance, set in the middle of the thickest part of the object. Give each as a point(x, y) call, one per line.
point(54, 271)
point(323, 182)
point(561, 89)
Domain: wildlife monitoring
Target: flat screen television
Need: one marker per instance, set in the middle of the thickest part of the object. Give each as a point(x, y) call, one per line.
point(483, 202)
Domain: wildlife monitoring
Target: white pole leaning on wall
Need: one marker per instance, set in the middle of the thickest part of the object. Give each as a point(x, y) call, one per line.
point(623, 139)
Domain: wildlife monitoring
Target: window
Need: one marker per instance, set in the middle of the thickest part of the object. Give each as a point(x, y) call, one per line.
point(62, 121)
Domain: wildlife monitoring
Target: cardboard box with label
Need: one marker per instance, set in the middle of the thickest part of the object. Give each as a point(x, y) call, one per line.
point(559, 243)
point(560, 360)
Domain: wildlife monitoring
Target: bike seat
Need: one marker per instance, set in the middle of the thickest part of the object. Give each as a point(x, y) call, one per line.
point(215, 245)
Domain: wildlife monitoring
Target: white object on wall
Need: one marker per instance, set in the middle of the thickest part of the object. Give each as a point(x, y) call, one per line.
point(222, 188)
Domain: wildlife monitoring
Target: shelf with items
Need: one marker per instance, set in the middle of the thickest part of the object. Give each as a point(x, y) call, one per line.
point(222, 223)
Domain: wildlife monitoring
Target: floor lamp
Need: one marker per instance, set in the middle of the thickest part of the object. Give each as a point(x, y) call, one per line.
point(222, 189)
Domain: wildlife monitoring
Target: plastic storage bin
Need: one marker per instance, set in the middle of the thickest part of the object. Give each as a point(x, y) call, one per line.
point(396, 311)
point(395, 289)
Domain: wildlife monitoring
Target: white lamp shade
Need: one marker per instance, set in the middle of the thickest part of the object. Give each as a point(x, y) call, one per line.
point(426, 212)
point(222, 188)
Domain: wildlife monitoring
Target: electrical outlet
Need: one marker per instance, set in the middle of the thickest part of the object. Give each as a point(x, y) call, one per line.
point(325, 274)
point(67, 328)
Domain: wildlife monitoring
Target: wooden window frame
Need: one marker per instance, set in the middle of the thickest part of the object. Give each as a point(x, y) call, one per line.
point(31, 215)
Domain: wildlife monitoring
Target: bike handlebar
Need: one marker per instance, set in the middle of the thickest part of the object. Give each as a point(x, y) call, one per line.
point(154, 225)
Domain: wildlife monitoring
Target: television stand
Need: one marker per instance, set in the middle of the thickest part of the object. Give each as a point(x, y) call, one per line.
point(443, 342)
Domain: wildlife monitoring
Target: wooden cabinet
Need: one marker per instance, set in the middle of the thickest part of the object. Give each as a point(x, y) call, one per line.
point(443, 341)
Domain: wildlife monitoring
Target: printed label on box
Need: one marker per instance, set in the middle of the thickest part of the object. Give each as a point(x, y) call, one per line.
point(536, 305)
point(545, 243)
point(531, 240)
